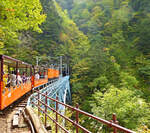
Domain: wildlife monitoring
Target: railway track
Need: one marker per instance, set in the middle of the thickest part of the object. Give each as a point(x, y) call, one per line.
point(12, 119)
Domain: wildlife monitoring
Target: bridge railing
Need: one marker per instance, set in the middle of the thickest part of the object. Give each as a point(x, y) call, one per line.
point(111, 124)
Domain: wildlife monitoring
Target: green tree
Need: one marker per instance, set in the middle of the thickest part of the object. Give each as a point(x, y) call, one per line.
point(16, 17)
point(130, 109)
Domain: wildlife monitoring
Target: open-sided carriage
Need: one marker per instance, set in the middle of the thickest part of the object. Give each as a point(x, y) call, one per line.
point(18, 78)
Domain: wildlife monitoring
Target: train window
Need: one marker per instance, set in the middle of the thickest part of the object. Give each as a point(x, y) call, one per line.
point(9, 76)
point(26, 75)
point(40, 73)
point(15, 73)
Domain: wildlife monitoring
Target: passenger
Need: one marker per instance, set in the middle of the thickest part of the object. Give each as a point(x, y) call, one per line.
point(13, 79)
point(19, 79)
point(5, 82)
point(44, 75)
point(5, 76)
point(8, 81)
point(24, 78)
point(27, 77)
point(40, 75)
point(37, 76)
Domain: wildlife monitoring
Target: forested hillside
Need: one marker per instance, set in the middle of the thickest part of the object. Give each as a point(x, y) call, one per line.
point(106, 42)
point(118, 62)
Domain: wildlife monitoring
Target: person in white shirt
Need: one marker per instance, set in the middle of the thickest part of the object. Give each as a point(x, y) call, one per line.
point(37, 76)
point(19, 79)
point(13, 79)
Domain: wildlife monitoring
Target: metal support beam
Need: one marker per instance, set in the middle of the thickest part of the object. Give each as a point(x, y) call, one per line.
point(61, 66)
point(1, 77)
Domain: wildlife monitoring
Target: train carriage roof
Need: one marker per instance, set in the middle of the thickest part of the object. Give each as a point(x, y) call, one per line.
point(12, 62)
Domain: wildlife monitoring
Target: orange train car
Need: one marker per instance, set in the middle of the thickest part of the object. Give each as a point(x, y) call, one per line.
point(53, 73)
point(10, 86)
point(56, 73)
point(18, 78)
point(42, 79)
point(50, 73)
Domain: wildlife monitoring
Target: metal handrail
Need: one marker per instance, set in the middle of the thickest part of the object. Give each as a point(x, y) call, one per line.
point(51, 118)
point(62, 116)
point(112, 124)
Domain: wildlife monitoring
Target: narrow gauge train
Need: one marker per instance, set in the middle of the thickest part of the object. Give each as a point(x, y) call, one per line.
point(18, 78)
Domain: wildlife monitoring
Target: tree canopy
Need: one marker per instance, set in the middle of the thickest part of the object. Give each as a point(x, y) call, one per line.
point(105, 42)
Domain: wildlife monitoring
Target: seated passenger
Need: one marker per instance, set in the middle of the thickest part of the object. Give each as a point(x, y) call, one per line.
point(24, 78)
point(40, 74)
point(13, 79)
point(19, 79)
point(45, 76)
point(5, 77)
point(29, 78)
point(37, 76)
point(8, 81)
point(5, 82)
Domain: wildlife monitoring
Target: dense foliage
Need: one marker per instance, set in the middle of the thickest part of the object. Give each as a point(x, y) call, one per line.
point(106, 43)
point(118, 32)
point(16, 17)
